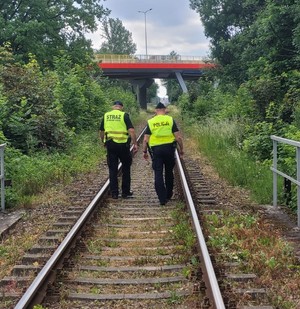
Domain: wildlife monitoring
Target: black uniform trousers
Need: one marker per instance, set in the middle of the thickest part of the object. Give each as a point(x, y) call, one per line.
point(163, 162)
point(119, 152)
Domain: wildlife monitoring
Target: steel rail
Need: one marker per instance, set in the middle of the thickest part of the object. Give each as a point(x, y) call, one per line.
point(214, 292)
point(29, 297)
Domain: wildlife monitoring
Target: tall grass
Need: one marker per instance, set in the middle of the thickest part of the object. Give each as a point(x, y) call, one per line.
point(31, 175)
point(219, 142)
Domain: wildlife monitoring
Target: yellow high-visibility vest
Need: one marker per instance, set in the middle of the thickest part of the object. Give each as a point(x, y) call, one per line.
point(115, 127)
point(161, 130)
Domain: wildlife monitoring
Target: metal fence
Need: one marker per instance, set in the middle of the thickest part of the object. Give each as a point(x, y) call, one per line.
point(276, 172)
point(114, 58)
point(2, 178)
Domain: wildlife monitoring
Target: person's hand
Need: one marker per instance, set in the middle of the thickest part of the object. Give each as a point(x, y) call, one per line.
point(146, 156)
point(135, 148)
point(181, 153)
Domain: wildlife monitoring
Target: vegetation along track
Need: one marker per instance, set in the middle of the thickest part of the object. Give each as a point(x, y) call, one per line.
point(135, 254)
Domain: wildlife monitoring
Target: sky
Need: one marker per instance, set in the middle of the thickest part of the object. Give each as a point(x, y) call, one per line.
point(171, 26)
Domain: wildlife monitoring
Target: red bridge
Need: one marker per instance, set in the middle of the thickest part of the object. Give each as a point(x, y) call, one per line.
point(141, 70)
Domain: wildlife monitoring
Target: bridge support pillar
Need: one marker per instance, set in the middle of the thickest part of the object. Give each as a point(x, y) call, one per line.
point(142, 97)
point(181, 82)
point(141, 90)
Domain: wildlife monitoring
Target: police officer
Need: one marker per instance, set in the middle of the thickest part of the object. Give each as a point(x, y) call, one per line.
point(115, 129)
point(161, 136)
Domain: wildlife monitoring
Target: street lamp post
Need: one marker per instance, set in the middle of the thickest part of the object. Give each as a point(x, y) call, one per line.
point(145, 13)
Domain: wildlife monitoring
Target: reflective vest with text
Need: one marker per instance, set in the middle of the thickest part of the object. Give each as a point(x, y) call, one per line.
point(161, 130)
point(115, 126)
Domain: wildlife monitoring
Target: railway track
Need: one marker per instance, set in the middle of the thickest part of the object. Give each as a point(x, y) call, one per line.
point(131, 257)
point(132, 253)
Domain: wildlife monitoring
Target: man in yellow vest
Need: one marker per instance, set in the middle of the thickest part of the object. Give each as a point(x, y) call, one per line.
point(161, 136)
point(115, 130)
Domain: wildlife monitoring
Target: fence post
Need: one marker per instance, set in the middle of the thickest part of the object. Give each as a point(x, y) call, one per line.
point(274, 173)
point(2, 177)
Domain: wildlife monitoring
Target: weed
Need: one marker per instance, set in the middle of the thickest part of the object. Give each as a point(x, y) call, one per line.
point(174, 298)
point(102, 263)
point(272, 263)
point(182, 231)
point(94, 246)
point(161, 251)
point(95, 290)
point(3, 251)
point(187, 271)
point(112, 244)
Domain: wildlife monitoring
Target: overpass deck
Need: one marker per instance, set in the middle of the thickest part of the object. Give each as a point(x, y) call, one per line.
point(152, 66)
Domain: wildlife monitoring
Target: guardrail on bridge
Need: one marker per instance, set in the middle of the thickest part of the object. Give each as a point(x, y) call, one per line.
point(112, 58)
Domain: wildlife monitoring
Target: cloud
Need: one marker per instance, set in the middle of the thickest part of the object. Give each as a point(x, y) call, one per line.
point(171, 26)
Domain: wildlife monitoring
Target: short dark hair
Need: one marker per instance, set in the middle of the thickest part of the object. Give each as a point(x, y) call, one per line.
point(160, 106)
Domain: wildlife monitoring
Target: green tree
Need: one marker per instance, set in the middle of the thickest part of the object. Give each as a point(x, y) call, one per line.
point(82, 98)
point(242, 32)
point(31, 119)
point(224, 20)
point(45, 27)
point(2, 103)
point(296, 38)
point(118, 40)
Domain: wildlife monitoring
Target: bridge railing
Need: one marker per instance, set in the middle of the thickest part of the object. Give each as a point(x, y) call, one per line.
point(112, 58)
point(276, 172)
